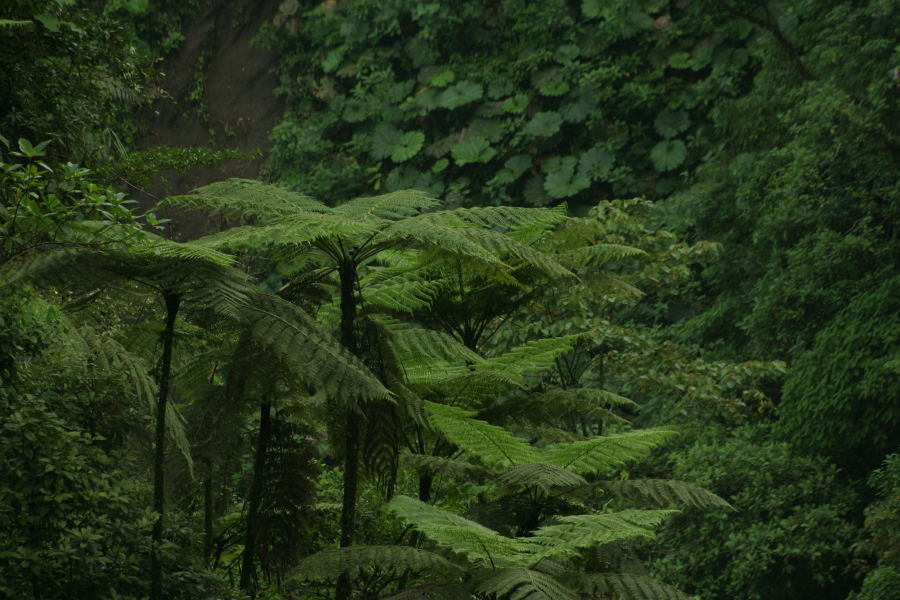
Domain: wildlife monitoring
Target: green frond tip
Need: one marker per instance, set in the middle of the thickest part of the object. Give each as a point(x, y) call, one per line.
point(664, 492)
point(629, 587)
point(574, 533)
point(328, 565)
point(438, 465)
point(391, 207)
point(433, 591)
point(546, 477)
point(522, 584)
point(237, 198)
point(535, 356)
point(608, 452)
point(493, 445)
point(462, 536)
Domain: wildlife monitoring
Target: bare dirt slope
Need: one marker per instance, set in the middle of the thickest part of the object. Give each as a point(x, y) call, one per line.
point(237, 93)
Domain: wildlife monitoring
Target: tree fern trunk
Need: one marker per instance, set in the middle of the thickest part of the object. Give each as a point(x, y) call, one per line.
point(254, 497)
point(208, 513)
point(173, 301)
point(347, 272)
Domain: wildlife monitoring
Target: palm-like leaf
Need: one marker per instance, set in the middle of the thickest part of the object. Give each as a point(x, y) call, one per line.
point(664, 492)
point(609, 452)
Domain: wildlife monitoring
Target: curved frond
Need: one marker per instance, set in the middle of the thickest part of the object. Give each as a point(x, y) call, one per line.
point(294, 230)
point(574, 533)
point(236, 198)
point(548, 478)
point(465, 387)
point(458, 534)
point(493, 445)
point(329, 565)
point(438, 465)
point(608, 452)
point(535, 356)
point(622, 586)
point(600, 254)
point(664, 492)
point(400, 290)
point(550, 407)
point(433, 591)
point(393, 206)
point(425, 350)
point(308, 349)
point(522, 584)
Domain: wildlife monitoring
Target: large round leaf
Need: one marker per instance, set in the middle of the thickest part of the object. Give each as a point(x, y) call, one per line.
point(543, 124)
point(565, 182)
point(596, 163)
point(386, 137)
point(670, 123)
point(461, 93)
point(576, 110)
point(408, 146)
point(668, 155)
point(473, 149)
point(513, 168)
point(516, 104)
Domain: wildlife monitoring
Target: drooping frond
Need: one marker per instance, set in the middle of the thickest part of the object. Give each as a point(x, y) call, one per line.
point(493, 445)
point(401, 290)
point(308, 349)
point(535, 356)
point(438, 465)
point(546, 477)
point(550, 407)
point(421, 351)
point(502, 217)
point(164, 248)
point(541, 436)
point(664, 492)
point(522, 584)
point(462, 536)
point(433, 591)
point(572, 534)
point(393, 206)
point(464, 387)
point(600, 254)
point(237, 198)
point(328, 565)
point(510, 248)
point(622, 586)
point(608, 452)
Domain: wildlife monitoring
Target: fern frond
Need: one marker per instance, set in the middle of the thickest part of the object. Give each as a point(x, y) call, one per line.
point(419, 350)
point(308, 349)
point(664, 492)
point(393, 206)
point(535, 356)
point(433, 591)
point(464, 388)
point(522, 584)
point(541, 436)
point(438, 465)
point(502, 217)
point(493, 445)
point(462, 536)
point(608, 452)
point(295, 230)
point(197, 250)
point(329, 565)
point(11, 23)
point(572, 534)
point(550, 407)
point(400, 290)
point(236, 198)
point(599, 254)
point(622, 586)
point(546, 477)
point(506, 247)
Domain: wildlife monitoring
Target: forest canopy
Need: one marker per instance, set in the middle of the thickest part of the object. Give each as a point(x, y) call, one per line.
point(544, 301)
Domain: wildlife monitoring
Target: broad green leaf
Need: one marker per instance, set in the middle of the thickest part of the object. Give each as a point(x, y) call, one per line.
point(543, 124)
point(565, 183)
point(489, 128)
point(49, 21)
point(355, 110)
point(500, 88)
point(513, 168)
point(566, 53)
point(460, 94)
point(596, 163)
point(576, 110)
point(516, 104)
point(554, 88)
point(440, 165)
point(430, 184)
point(681, 60)
point(442, 79)
point(473, 149)
point(591, 8)
point(668, 155)
point(386, 137)
point(401, 178)
point(669, 123)
point(333, 60)
point(408, 146)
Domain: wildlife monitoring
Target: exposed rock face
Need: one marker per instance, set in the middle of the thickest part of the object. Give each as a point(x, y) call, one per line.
point(237, 91)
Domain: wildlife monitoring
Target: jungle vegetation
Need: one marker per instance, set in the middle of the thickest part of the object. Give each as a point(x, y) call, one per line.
point(535, 301)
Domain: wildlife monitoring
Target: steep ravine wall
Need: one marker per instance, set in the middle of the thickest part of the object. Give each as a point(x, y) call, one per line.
point(237, 94)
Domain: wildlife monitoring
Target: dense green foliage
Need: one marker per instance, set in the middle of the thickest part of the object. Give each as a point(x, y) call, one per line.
point(428, 383)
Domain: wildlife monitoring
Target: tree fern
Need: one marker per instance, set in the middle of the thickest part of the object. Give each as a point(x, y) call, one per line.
point(514, 583)
point(622, 586)
point(433, 591)
point(329, 564)
point(664, 492)
point(493, 445)
point(439, 465)
point(394, 206)
point(238, 198)
point(545, 477)
point(605, 453)
point(462, 536)
point(572, 534)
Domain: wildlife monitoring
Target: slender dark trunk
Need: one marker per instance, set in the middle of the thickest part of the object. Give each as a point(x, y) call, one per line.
point(173, 301)
point(425, 482)
point(254, 498)
point(351, 439)
point(208, 513)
